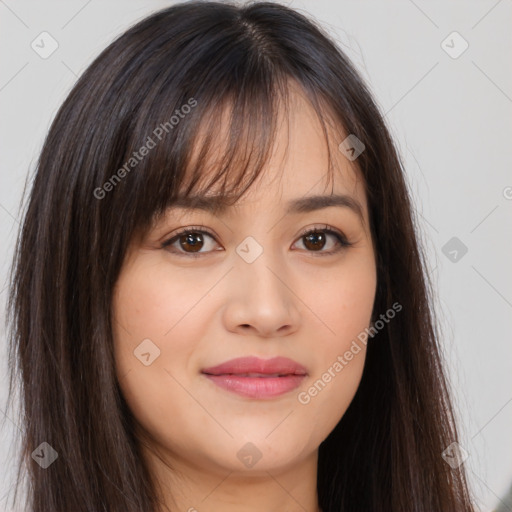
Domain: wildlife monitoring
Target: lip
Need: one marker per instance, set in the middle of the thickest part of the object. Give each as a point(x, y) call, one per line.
point(257, 378)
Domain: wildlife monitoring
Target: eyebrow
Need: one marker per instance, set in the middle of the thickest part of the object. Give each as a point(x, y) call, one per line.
point(216, 204)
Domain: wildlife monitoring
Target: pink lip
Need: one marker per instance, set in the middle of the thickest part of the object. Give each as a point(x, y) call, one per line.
point(278, 375)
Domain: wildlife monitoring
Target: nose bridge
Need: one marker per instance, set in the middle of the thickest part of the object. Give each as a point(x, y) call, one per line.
point(258, 267)
point(261, 297)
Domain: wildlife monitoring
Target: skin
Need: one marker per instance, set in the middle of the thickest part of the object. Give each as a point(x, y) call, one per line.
point(289, 302)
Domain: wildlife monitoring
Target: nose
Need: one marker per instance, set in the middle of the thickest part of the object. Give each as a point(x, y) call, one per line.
point(261, 300)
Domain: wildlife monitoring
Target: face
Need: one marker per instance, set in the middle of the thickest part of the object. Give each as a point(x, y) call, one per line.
point(249, 283)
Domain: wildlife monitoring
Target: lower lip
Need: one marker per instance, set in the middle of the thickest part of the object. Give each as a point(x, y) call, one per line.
point(257, 387)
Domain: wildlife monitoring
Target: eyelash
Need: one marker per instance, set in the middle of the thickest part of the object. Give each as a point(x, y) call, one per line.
point(343, 243)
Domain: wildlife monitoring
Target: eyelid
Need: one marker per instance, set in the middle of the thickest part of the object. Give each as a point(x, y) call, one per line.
point(195, 228)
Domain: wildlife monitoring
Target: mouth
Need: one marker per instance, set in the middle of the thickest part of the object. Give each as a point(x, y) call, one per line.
point(262, 375)
point(257, 378)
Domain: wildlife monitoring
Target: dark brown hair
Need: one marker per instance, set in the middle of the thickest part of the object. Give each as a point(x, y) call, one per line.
point(83, 211)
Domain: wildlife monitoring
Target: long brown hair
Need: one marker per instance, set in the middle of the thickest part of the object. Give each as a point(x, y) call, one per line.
point(90, 195)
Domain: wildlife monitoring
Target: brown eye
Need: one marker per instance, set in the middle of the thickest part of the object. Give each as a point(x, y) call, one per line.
point(191, 241)
point(315, 241)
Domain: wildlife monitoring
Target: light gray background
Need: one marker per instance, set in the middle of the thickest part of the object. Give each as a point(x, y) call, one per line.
point(452, 122)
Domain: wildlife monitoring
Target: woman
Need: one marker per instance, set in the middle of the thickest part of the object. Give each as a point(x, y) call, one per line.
point(218, 298)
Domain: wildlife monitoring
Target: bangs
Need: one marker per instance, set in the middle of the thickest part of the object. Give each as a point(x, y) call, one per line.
point(219, 147)
point(208, 143)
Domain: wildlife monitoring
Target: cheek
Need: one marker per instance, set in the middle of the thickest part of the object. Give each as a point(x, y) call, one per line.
point(151, 303)
point(145, 301)
point(154, 338)
point(343, 303)
point(147, 319)
point(342, 300)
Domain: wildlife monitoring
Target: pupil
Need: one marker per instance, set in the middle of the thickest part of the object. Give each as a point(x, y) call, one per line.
point(315, 238)
point(189, 240)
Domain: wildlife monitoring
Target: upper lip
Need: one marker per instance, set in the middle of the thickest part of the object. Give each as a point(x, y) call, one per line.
point(243, 365)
